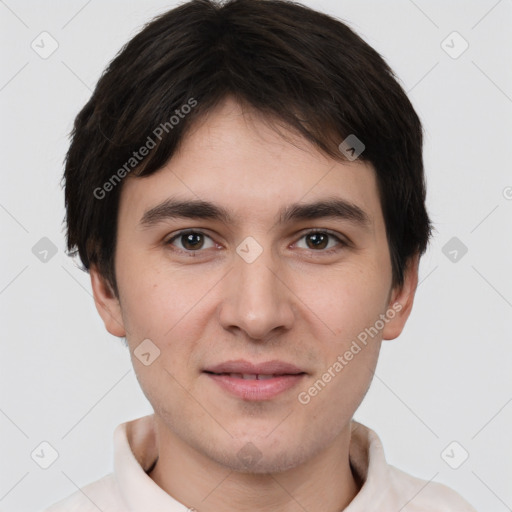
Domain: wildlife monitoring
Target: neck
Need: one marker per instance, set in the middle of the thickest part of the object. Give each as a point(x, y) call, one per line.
point(325, 482)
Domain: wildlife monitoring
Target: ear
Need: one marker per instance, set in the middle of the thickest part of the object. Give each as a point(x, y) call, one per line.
point(107, 303)
point(401, 301)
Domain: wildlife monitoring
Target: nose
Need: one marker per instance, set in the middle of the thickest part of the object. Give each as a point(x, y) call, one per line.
point(256, 299)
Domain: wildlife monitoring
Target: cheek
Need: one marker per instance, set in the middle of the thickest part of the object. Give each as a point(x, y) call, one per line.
point(147, 301)
point(350, 307)
point(167, 312)
point(354, 298)
point(143, 304)
point(166, 307)
point(349, 299)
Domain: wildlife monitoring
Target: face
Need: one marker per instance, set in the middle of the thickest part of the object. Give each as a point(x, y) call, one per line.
point(255, 266)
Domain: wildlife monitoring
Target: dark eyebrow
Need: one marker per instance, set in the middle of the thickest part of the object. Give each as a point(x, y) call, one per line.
point(335, 208)
point(196, 209)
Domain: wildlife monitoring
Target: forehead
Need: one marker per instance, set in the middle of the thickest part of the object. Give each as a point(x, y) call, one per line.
point(241, 160)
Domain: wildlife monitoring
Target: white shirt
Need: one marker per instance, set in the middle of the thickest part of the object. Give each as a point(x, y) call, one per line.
point(130, 489)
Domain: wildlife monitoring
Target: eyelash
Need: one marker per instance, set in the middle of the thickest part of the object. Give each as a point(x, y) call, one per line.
point(341, 243)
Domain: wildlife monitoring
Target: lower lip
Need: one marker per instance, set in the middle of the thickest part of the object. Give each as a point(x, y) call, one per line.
point(253, 390)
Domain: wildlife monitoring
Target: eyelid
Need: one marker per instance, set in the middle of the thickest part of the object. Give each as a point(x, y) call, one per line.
point(173, 237)
point(342, 241)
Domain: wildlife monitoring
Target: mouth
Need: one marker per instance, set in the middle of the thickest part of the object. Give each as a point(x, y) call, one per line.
point(255, 382)
point(252, 376)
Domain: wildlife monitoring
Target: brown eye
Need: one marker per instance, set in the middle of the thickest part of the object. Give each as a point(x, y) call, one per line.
point(317, 240)
point(191, 241)
point(320, 241)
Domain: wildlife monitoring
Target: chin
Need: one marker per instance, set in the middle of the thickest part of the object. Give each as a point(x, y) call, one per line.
point(250, 459)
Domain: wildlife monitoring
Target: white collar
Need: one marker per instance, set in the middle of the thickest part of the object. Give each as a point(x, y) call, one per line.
point(135, 451)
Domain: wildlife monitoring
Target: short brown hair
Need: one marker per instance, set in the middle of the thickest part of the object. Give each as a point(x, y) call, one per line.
point(289, 62)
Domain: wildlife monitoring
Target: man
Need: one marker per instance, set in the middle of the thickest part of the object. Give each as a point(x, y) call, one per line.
point(246, 189)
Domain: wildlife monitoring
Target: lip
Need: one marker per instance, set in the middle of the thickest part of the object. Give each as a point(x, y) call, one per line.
point(274, 367)
point(228, 376)
point(256, 390)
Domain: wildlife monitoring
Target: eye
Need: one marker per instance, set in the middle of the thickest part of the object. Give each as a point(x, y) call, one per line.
point(321, 241)
point(191, 241)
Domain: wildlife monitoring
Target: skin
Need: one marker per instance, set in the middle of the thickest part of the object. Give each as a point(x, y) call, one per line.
point(296, 303)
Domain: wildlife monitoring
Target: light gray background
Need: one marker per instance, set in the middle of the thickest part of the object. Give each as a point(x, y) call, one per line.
point(66, 381)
